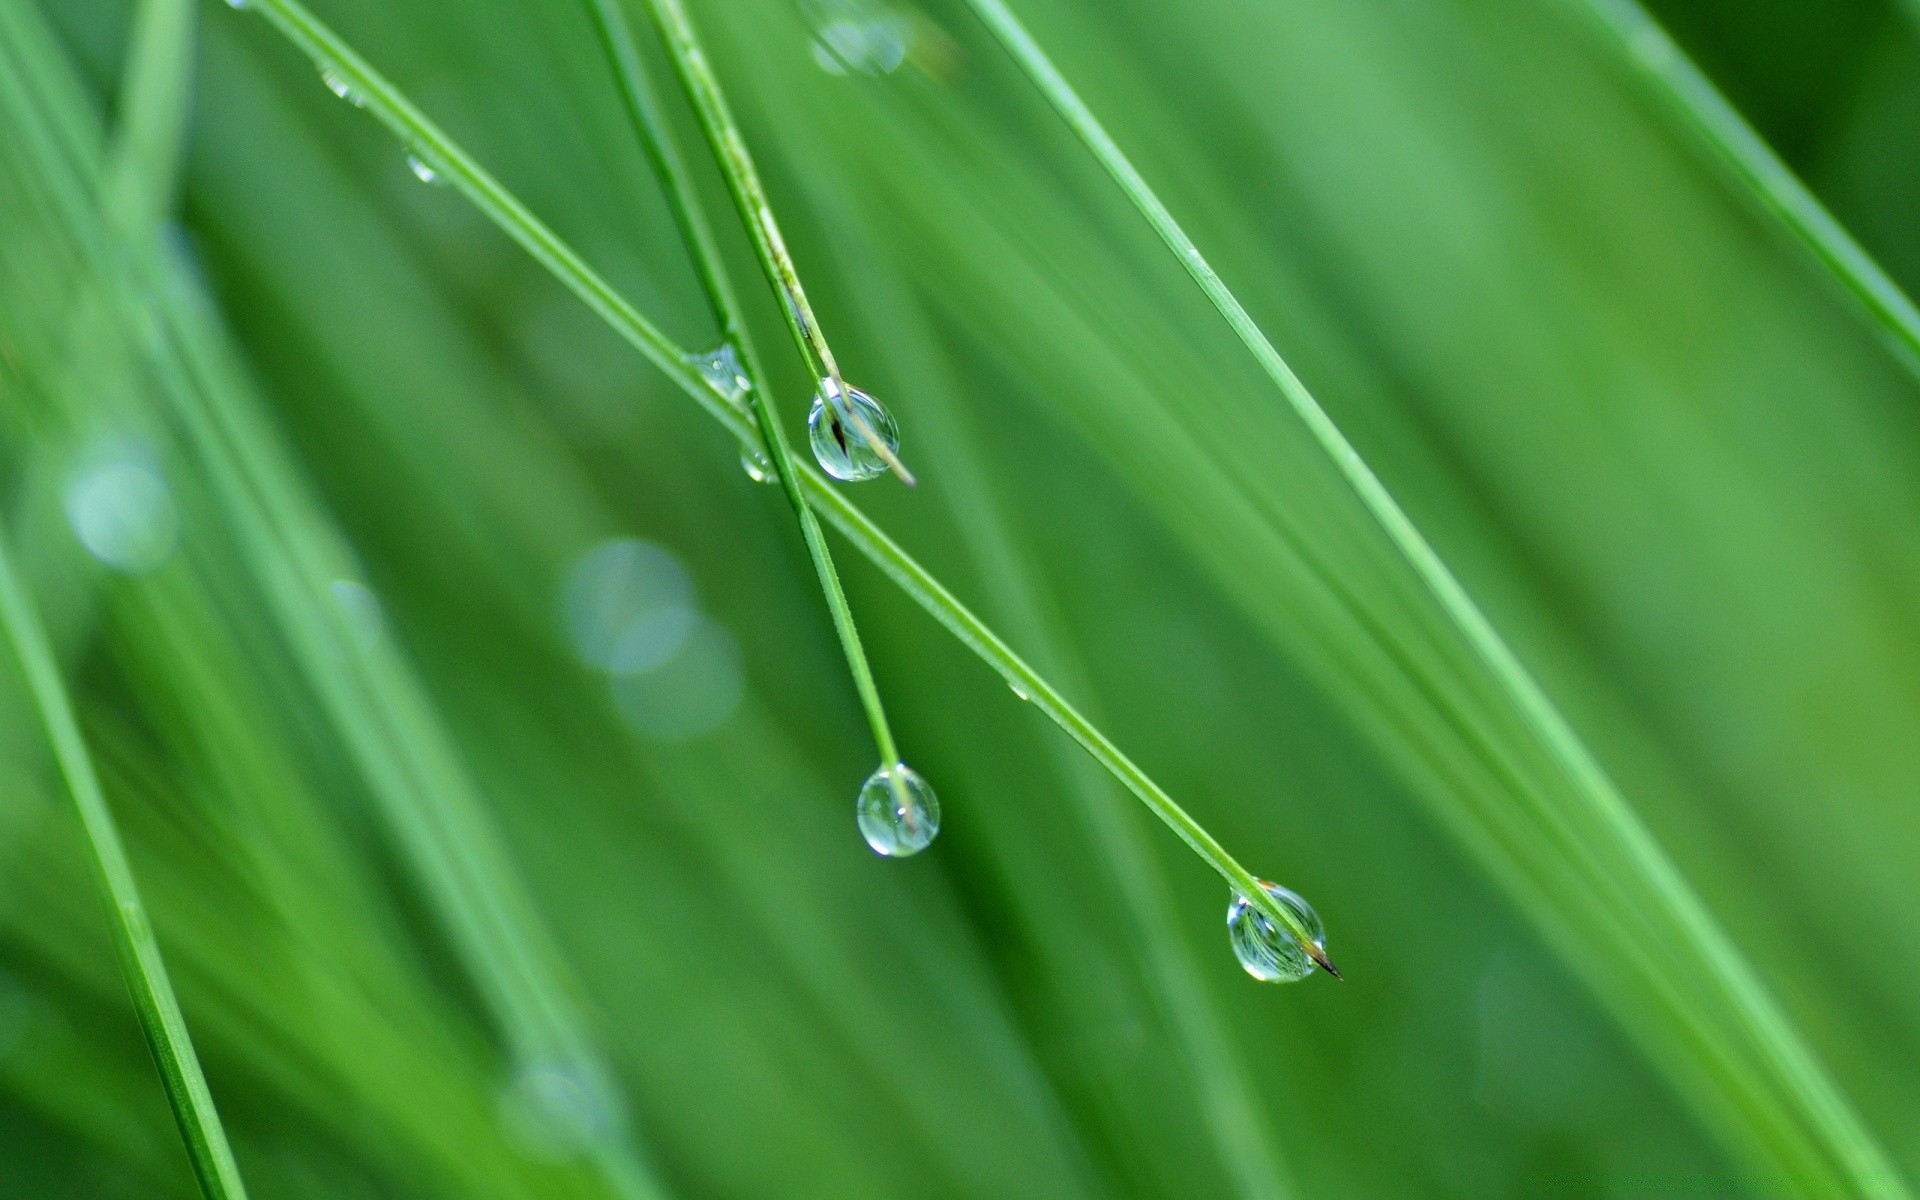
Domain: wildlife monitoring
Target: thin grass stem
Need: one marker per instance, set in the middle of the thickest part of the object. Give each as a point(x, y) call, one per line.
point(154, 1002)
point(391, 108)
point(653, 132)
point(750, 197)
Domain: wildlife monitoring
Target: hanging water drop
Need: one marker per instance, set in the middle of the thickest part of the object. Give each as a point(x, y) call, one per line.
point(423, 170)
point(897, 811)
point(338, 85)
point(722, 370)
point(834, 427)
point(757, 467)
point(1269, 953)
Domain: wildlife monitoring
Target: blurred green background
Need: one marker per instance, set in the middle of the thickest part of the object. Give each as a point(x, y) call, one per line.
point(547, 884)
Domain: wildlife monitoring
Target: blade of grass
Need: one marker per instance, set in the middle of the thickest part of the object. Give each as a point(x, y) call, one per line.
point(392, 109)
point(1856, 1162)
point(756, 212)
point(1692, 102)
point(140, 961)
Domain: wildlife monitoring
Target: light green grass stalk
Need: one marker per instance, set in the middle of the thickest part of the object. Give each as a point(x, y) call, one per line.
point(1848, 1150)
point(1691, 100)
point(154, 1002)
point(386, 103)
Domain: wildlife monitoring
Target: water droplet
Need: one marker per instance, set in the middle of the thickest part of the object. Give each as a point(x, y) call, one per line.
point(1271, 954)
point(423, 170)
point(338, 85)
point(628, 606)
point(1019, 693)
point(757, 467)
point(897, 811)
point(843, 450)
point(692, 693)
point(122, 510)
point(722, 371)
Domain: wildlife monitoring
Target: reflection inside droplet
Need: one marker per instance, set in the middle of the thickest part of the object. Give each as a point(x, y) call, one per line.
point(628, 606)
point(121, 509)
point(690, 694)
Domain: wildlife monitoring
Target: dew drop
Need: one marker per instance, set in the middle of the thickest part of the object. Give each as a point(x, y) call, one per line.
point(338, 85)
point(870, 45)
point(897, 811)
point(423, 170)
point(1268, 953)
point(1019, 693)
point(844, 452)
point(721, 369)
point(757, 467)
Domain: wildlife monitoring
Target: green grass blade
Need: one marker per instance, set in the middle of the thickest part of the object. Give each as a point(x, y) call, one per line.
point(386, 103)
point(1814, 1125)
point(756, 211)
point(140, 961)
point(155, 98)
point(1691, 101)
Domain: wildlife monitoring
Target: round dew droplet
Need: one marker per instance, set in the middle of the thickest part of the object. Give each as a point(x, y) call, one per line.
point(1269, 953)
point(898, 813)
point(843, 450)
point(722, 370)
point(757, 467)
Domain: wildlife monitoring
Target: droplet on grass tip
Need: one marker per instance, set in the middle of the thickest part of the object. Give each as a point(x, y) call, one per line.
point(843, 450)
point(757, 467)
point(721, 369)
point(897, 811)
point(423, 170)
point(1269, 953)
point(338, 85)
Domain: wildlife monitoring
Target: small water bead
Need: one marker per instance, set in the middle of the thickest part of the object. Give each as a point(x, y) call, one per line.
point(338, 85)
point(122, 510)
point(424, 171)
point(844, 452)
point(1270, 954)
point(757, 467)
point(1019, 693)
point(722, 370)
point(897, 811)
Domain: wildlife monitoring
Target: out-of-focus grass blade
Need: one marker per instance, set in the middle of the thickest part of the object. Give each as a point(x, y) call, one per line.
point(145, 971)
point(1794, 1107)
